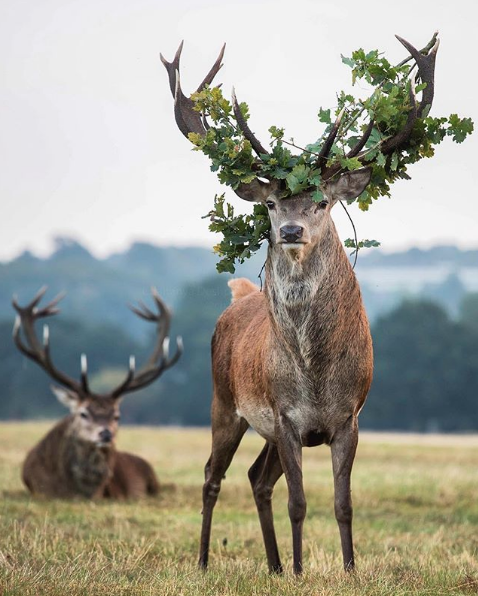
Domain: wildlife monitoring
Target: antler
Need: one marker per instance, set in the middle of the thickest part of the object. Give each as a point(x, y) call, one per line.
point(159, 361)
point(40, 352)
point(246, 131)
point(425, 61)
point(187, 118)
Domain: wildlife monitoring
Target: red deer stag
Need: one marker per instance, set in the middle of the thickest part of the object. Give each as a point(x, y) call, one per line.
point(78, 456)
point(295, 361)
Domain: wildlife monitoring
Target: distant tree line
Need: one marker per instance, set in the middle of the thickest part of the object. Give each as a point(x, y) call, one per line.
point(426, 366)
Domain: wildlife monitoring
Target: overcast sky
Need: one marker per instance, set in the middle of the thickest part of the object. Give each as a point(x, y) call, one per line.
point(89, 147)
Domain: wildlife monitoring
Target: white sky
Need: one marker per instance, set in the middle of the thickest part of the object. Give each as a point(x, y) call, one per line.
point(89, 146)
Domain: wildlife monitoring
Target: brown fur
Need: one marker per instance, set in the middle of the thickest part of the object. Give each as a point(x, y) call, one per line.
point(294, 362)
point(63, 466)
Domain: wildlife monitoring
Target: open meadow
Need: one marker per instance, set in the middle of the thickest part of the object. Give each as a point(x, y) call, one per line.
point(416, 523)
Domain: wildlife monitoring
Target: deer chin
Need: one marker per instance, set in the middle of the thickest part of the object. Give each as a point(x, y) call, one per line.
point(294, 250)
point(104, 445)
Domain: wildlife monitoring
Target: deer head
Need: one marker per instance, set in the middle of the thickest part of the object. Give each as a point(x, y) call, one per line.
point(296, 221)
point(95, 416)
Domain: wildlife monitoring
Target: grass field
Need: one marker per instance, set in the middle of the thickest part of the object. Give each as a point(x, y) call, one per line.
point(416, 523)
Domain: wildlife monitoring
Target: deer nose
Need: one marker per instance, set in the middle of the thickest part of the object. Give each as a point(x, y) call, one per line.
point(291, 233)
point(106, 436)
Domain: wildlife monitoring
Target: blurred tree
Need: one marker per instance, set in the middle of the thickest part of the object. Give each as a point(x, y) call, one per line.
point(425, 372)
point(188, 388)
point(469, 311)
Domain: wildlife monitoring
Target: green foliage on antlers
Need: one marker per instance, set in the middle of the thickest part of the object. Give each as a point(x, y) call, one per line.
point(388, 107)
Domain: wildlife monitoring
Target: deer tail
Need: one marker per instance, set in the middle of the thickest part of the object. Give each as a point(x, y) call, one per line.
point(241, 287)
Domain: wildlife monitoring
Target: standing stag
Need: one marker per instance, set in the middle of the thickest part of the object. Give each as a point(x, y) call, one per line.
point(294, 362)
point(78, 456)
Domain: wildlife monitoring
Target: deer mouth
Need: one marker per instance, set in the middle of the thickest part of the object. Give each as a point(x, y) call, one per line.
point(297, 245)
point(104, 444)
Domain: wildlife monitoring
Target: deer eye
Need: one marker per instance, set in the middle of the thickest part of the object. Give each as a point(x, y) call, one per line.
point(117, 417)
point(323, 204)
point(270, 205)
point(84, 415)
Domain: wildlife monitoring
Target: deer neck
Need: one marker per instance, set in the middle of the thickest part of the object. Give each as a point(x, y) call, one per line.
point(307, 296)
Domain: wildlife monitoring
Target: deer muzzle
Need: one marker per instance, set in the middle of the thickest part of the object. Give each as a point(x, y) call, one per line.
point(106, 436)
point(291, 234)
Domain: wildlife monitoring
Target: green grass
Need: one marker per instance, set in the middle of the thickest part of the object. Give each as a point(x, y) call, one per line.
point(416, 523)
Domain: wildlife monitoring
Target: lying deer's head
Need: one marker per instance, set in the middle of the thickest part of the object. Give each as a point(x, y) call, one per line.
point(94, 419)
point(95, 416)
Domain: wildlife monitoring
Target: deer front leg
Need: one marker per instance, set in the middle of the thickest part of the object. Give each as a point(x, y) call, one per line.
point(344, 446)
point(290, 453)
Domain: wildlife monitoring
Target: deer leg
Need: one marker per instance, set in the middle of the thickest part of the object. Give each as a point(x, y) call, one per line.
point(263, 474)
point(344, 446)
point(225, 441)
point(290, 453)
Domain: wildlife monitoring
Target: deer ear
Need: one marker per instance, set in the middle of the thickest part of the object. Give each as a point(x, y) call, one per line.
point(348, 186)
point(68, 398)
point(256, 191)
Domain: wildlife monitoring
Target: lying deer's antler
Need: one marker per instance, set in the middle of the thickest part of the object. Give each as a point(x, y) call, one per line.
point(159, 361)
point(39, 352)
point(34, 349)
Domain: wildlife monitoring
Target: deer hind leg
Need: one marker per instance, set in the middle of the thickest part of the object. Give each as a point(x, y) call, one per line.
point(226, 437)
point(290, 452)
point(344, 446)
point(264, 474)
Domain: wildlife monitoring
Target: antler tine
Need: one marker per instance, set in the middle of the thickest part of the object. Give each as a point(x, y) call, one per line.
point(216, 67)
point(84, 373)
point(36, 299)
point(426, 71)
point(18, 340)
point(148, 376)
point(327, 146)
point(145, 314)
point(172, 67)
point(49, 309)
point(402, 136)
point(187, 119)
point(179, 351)
point(362, 142)
point(159, 301)
point(29, 307)
point(129, 377)
point(248, 134)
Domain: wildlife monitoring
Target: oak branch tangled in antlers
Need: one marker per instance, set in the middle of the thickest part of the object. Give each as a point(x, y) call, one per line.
point(387, 131)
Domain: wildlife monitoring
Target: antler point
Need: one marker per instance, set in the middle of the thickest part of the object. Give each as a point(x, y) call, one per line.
point(16, 325)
